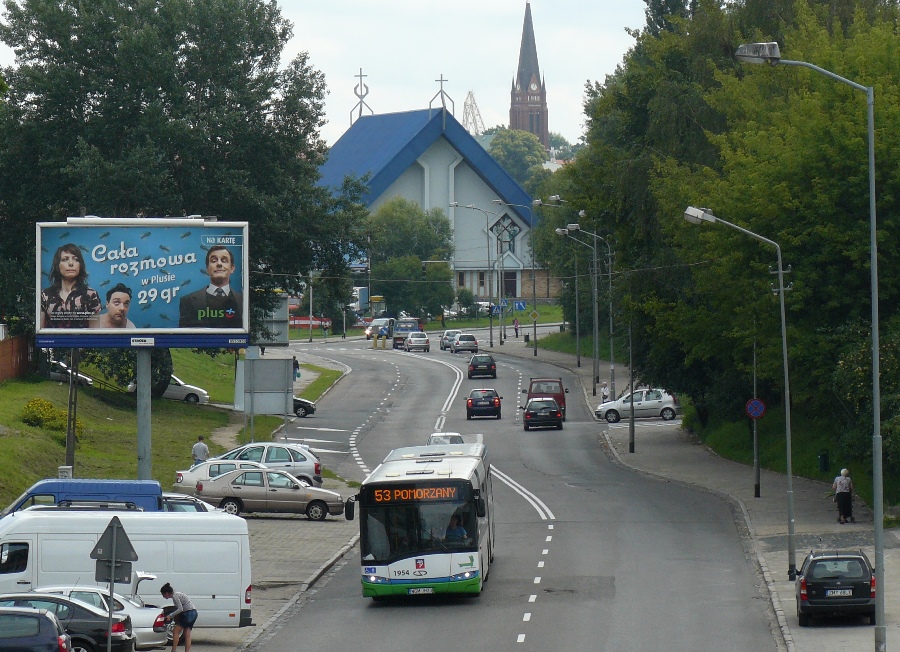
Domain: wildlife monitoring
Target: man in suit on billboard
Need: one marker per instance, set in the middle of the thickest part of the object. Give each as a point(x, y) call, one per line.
point(215, 306)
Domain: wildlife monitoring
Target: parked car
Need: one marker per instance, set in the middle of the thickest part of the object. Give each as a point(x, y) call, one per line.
point(482, 364)
point(835, 583)
point(186, 480)
point(483, 403)
point(548, 388)
point(148, 623)
point(647, 403)
point(444, 438)
point(297, 460)
point(447, 338)
point(542, 413)
point(464, 342)
point(302, 407)
point(178, 390)
point(417, 340)
point(247, 490)
point(60, 371)
point(87, 625)
point(173, 502)
point(32, 630)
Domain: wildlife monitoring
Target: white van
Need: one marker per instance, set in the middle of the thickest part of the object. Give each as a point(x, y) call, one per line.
point(204, 555)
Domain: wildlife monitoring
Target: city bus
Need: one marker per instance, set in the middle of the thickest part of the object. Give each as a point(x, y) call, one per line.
point(426, 522)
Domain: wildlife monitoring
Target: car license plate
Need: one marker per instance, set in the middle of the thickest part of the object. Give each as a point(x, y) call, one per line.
point(482, 403)
point(839, 593)
point(423, 591)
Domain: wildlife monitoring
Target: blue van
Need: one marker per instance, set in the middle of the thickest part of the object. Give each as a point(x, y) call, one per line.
point(145, 494)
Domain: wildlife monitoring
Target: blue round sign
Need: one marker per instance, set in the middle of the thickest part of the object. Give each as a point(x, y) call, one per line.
point(756, 409)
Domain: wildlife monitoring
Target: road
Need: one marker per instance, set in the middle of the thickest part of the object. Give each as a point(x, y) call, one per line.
point(605, 559)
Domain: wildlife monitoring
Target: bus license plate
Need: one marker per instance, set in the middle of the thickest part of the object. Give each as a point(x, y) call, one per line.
point(839, 593)
point(422, 591)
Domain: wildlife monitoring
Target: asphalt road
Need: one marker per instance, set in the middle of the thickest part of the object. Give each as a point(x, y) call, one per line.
point(615, 560)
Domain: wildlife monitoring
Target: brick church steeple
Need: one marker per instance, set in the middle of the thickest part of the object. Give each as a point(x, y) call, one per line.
point(528, 97)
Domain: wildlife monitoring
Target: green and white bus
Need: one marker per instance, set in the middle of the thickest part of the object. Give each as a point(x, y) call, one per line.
point(426, 522)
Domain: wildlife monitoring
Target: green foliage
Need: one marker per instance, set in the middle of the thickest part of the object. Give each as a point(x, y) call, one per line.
point(41, 413)
point(517, 152)
point(169, 107)
point(399, 227)
point(466, 300)
point(400, 281)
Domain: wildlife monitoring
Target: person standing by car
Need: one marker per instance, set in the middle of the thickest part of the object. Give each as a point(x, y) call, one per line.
point(184, 616)
point(843, 496)
point(296, 369)
point(604, 392)
point(200, 451)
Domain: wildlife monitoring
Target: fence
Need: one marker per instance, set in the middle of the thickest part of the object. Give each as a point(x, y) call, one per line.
point(14, 357)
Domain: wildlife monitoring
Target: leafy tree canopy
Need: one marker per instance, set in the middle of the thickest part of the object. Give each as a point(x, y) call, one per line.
point(400, 227)
point(517, 152)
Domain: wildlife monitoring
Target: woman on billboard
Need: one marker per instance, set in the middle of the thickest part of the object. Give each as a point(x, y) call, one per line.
point(68, 302)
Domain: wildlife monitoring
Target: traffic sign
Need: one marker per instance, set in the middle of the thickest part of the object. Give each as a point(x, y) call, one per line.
point(756, 409)
point(114, 544)
point(534, 315)
point(495, 310)
point(120, 573)
point(504, 303)
point(518, 305)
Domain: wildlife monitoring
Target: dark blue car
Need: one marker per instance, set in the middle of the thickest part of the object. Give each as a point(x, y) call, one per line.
point(32, 629)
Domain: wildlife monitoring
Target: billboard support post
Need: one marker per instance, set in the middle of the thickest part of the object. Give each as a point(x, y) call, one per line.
point(143, 380)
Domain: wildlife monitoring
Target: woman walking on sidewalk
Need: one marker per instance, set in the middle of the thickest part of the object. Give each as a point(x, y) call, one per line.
point(843, 496)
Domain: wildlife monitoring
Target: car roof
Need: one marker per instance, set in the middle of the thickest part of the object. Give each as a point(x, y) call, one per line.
point(54, 596)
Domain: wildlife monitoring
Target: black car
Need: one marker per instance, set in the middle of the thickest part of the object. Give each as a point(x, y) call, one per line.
point(835, 583)
point(85, 624)
point(542, 413)
point(36, 630)
point(302, 407)
point(482, 364)
point(483, 403)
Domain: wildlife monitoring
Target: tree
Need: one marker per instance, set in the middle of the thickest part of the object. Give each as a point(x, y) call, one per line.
point(517, 152)
point(401, 228)
point(168, 107)
point(407, 284)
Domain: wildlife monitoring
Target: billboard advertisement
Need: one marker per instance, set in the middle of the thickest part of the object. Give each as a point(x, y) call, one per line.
point(142, 282)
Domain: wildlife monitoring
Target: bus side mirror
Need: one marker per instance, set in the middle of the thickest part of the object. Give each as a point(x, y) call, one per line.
point(480, 508)
point(349, 508)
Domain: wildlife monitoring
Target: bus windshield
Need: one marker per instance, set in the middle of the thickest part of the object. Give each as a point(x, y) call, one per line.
point(399, 530)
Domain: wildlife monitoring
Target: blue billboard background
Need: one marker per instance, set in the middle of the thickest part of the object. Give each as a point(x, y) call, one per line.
point(161, 261)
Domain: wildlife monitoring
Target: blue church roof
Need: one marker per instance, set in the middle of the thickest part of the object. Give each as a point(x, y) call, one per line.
point(384, 146)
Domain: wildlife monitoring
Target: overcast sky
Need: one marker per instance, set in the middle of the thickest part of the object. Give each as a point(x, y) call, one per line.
point(404, 46)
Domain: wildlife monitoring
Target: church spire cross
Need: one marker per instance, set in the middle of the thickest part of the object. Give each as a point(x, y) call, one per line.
point(444, 97)
point(361, 90)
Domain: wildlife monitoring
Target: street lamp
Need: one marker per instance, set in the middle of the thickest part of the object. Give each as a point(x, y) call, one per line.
point(536, 202)
point(698, 216)
point(489, 280)
point(609, 264)
point(565, 233)
point(769, 53)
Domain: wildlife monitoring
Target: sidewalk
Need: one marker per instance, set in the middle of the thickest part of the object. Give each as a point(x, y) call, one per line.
point(671, 453)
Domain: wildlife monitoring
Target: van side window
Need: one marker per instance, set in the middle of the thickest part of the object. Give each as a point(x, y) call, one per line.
point(38, 499)
point(13, 557)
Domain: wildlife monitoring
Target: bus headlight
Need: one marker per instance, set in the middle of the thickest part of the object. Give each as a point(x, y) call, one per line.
point(376, 579)
point(468, 575)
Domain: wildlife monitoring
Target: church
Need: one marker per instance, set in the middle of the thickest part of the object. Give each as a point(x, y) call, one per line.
point(428, 157)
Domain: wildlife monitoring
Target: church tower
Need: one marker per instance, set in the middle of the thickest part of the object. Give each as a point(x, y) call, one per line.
point(528, 97)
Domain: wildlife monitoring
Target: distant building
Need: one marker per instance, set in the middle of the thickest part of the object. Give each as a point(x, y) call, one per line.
point(528, 96)
point(426, 156)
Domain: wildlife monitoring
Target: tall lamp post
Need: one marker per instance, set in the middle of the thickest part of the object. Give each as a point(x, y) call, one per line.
point(771, 54)
point(489, 282)
point(564, 232)
point(609, 268)
point(536, 202)
point(698, 216)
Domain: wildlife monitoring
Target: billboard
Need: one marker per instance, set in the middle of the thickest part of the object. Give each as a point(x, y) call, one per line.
point(141, 282)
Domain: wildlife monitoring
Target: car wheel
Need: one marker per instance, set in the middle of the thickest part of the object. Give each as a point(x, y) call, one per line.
point(559, 426)
point(494, 376)
point(231, 506)
point(803, 618)
point(872, 618)
point(612, 416)
point(667, 414)
point(304, 482)
point(317, 511)
point(470, 376)
point(81, 646)
point(301, 411)
point(468, 417)
point(526, 427)
point(427, 349)
point(498, 415)
point(191, 398)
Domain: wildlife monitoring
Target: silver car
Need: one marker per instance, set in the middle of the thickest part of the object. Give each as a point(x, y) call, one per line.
point(178, 390)
point(147, 623)
point(186, 480)
point(646, 402)
point(269, 491)
point(447, 338)
point(464, 342)
point(60, 371)
point(417, 340)
point(293, 458)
